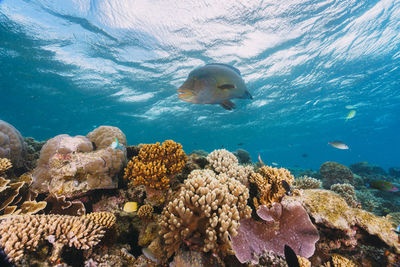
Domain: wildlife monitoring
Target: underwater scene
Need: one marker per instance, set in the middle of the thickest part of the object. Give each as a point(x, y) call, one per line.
point(204, 133)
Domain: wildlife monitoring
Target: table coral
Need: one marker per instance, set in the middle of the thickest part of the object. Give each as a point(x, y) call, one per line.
point(70, 166)
point(269, 183)
point(335, 173)
point(156, 164)
point(204, 214)
point(24, 232)
point(12, 144)
point(332, 211)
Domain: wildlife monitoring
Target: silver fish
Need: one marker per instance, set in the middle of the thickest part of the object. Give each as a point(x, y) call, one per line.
point(214, 84)
point(338, 144)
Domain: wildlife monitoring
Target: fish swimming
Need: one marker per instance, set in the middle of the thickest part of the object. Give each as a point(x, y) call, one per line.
point(116, 145)
point(338, 144)
point(351, 115)
point(383, 186)
point(290, 257)
point(214, 83)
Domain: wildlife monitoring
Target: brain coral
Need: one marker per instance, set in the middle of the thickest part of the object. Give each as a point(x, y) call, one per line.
point(204, 214)
point(335, 173)
point(69, 166)
point(12, 144)
point(156, 164)
point(103, 136)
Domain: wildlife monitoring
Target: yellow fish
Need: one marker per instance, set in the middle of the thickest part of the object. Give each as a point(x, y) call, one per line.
point(214, 84)
point(351, 114)
point(130, 206)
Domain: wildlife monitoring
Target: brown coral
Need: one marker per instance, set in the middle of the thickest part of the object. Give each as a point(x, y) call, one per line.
point(269, 184)
point(145, 212)
point(306, 182)
point(103, 218)
point(340, 261)
point(156, 164)
point(206, 211)
point(5, 164)
point(24, 232)
point(347, 192)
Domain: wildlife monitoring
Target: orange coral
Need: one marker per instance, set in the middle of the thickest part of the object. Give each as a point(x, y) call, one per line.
point(156, 164)
point(269, 184)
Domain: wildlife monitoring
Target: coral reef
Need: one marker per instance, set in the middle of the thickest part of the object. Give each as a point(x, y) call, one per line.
point(269, 183)
point(104, 136)
point(205, 213)
point(156, 164)
point(16, 198)
point(145, 212)
point(363, 168)
point(24, 232)
point(286, 223)
point(69, 166)
point(60, 205)
point(306, 182)
point(340, 261)
point(347, 192)
point(332, 210)
point(193, 258)
point(335, 173)
point(12, 144)
point(115, 256)
point(5, 164)
point(243, 156)
point(394, 171)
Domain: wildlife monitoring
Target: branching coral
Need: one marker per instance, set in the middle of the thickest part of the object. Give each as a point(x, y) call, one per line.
point(156, 164)
point(5, 164)
point(306, 182)
point(12, 144)
point(347, 192)
point(24, 232)
point(206, 211)
point(269, 184)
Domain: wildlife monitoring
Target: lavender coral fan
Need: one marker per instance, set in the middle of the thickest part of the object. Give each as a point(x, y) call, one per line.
point(286, 223)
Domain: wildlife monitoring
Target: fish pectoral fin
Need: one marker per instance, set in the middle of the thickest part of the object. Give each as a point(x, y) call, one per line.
point(228, 105)
point(226, 86)
point(246, 95)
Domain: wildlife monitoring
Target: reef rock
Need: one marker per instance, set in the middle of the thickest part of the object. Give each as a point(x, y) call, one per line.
point(12, 144)
point(70, 166)
point(335, 173)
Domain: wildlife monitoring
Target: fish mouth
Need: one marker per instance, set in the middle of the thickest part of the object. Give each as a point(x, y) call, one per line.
point(186, 94)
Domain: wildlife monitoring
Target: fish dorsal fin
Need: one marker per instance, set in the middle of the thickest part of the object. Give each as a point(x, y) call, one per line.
point(226, 86)
point(226, 65)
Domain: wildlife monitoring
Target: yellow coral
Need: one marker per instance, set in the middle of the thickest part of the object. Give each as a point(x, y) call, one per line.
point(340, 261)
point(269, 184)
point(145, 212)
point(303, 262)
point(105, 219)
point(155, 164)
point(5, 164)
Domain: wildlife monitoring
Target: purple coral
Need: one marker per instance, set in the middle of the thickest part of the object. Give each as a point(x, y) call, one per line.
point(291, 227)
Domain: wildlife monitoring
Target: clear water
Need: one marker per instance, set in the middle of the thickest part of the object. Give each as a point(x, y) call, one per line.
point(70, 66)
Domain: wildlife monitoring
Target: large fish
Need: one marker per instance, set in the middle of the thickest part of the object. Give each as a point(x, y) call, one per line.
point(214, 84)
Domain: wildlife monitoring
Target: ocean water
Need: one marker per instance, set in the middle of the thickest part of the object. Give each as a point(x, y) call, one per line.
point(71, 66)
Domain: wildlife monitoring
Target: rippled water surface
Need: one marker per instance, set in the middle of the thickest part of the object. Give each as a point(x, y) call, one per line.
point(70, 66)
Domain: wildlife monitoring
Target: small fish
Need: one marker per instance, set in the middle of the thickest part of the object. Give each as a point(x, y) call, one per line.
point(287, 187)
point(116, 145)
point(291, 258)
point(338, 144)
point(383, 186)
point(350, 107)
point(274, 163)
point(260, 160)
point(351, 115)
point(214, 84)
point(149, 254)
point(304, 155)
point(130, 206)
point(240, 144)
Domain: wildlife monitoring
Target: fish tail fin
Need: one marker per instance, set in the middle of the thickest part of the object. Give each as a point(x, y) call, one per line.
point(246, 95)
point(228, 105)
point(291, 257)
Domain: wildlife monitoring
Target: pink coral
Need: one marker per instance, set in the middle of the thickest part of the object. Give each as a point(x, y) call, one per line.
point(288, 224)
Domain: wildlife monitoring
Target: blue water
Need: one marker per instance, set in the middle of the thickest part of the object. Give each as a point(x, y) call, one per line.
point(70, 66)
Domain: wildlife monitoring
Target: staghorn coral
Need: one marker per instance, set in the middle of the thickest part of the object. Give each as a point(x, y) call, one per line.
point(145, 212)
point(206, 211)
point(12, 144)
point(269, 184)
point(335, 173)
point(306, 182)
point(156, 164)
point(286, 223)
point(5, 164)
point(332, 211)
point(24, 232)
point(223, 161)
point(69, 166)
point(347, 192)
point(16, 198)
point(103, 136)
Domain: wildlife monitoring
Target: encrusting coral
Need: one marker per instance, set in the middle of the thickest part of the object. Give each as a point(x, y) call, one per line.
point(205, 213)
point(306, 182)
point(24, 232)
point(12, 145)
point(156, 164)
point(331, 210)
point(70, 166)
point(269, 184)
point(5, 164)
